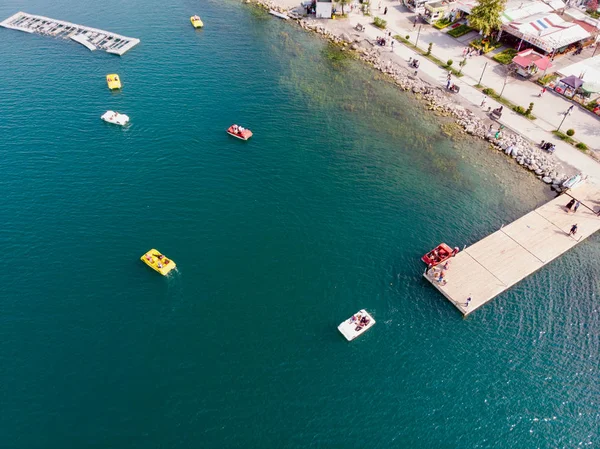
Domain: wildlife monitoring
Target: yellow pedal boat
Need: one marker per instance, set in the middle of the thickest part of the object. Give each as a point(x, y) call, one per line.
point(196, 22)
point(113, 81)
point(158, 262)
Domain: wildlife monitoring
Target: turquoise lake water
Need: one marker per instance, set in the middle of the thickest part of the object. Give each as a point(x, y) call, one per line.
point(345, 184)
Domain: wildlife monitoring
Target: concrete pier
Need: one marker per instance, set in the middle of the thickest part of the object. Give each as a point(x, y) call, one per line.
point(92, 38)
point(494, 264)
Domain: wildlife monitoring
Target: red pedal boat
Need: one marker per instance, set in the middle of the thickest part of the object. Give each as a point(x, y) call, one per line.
point(239, 132)
point(439, 254)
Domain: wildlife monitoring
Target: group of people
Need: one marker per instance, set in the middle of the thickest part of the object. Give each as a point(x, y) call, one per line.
point(381, 40)
point(548, 146)
point(573, 205)
point(497, 113)
point(471, 51)
point(238, 129)
point(360, 321)
point(162, 260)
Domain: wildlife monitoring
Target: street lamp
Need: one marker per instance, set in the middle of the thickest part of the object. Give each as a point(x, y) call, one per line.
point(562, 121)
point(418, 33)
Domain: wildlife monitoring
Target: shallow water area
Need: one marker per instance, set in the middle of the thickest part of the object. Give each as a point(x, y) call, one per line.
point(326, 210)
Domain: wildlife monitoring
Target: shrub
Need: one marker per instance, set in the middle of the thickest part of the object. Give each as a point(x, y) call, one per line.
point(485, 44)
point(429, 47)
point(450, 62)
point(379, 22)
point(548, 78)
point(460, 31)
point(506, 56)
point(582, 146)
point(530, 108)
point(441, 24)
point(570, 132)
point(489, 91)
point(519, 110)
point(407, 37)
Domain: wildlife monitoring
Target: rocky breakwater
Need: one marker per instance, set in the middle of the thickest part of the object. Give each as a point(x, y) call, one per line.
point(543, 165)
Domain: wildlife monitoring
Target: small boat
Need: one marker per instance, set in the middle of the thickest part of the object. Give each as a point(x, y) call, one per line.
point(115, 118)
point(239, 132)
point(196, 22)
point(158, 262)
point(439, 254)
point(278, 14)
point(573, 181)
point(113, 81)
point(356, 325)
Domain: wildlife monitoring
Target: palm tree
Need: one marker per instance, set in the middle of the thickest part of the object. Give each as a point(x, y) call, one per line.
point(343, 2)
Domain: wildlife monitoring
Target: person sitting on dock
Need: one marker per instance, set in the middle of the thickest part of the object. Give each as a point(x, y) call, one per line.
point(455, 251)
point(441, 279)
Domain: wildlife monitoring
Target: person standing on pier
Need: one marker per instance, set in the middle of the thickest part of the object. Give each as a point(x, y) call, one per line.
point(573, 230)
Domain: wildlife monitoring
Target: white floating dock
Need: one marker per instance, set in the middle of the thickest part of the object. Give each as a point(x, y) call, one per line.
point(92, 38)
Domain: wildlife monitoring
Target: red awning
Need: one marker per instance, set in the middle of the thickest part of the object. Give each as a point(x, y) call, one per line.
point(527, 58)
point(543, 63)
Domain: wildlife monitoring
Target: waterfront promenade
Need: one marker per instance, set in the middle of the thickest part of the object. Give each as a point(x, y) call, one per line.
point(548, 109)
point(494, 264)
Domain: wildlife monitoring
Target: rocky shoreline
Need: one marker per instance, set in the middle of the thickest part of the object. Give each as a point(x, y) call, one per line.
point(543, 165)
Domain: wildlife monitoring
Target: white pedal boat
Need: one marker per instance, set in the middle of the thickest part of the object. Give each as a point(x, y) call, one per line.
point(115, 118)
point(356, 325)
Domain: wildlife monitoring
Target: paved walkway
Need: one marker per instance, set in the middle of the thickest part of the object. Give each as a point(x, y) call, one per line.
point(548, 109)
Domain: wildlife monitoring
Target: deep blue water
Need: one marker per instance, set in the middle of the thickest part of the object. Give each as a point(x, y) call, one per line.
point(345, 184)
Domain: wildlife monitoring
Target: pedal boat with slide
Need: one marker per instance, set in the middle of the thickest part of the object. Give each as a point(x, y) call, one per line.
point(356, 325)
point(439, 254)
point(239, 132)
point(115, 118)
point(158, 262)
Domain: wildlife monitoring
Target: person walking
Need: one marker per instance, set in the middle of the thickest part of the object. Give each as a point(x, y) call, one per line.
point(385, 11)
point(542, 92)
point(577, 204)
point(483, 101)
point(569, 110)
point(448, 83)
point(573, 230)
point(392, 45)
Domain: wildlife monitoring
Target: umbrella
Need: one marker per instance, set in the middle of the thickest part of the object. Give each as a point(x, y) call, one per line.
point(572, 81)
point(591, 86)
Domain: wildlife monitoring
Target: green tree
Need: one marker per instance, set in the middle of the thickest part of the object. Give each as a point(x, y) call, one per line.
point(486, 16)
point(343, 2)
